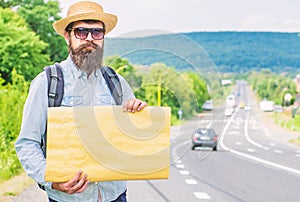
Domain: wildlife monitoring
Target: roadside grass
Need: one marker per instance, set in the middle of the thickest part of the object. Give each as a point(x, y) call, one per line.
point(295, 141)
point(285, 120)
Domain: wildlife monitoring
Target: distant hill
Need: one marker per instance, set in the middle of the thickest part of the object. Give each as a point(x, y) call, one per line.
point(229, 51)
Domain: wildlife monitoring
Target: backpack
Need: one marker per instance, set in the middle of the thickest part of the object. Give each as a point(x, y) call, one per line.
point(55, 81)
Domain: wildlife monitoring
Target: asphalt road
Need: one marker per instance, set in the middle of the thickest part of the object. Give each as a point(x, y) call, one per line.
point(254, 162)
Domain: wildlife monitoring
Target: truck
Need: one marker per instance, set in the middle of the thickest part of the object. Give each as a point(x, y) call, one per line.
point(230, 101)
point(266, 105)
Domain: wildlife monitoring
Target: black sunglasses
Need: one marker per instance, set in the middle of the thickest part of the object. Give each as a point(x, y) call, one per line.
point(82, 32)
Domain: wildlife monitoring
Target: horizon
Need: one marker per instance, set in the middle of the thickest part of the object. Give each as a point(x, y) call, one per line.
point(201, 16)
point(138, 34)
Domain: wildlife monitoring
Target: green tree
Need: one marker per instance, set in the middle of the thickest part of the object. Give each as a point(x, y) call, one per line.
point(124, 68)
point(199, 88)
point(9, 4)
point(162, 84)
point(40, 16)
point(272, 86)
point(21, 48)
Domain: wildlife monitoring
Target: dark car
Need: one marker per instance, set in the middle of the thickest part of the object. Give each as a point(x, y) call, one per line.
point(205, 137)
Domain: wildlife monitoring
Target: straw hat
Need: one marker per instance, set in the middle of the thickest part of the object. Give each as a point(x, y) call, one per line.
point(85, 10)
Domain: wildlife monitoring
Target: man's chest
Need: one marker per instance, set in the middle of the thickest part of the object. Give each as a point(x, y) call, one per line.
point(82, 92)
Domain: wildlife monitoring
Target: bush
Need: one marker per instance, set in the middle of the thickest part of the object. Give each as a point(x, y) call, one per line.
point(12, 98)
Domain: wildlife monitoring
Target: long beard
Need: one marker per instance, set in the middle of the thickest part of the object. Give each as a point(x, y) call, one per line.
point(88, 60)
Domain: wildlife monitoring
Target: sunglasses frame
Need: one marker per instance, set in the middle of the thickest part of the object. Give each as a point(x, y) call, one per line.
point(88, 30)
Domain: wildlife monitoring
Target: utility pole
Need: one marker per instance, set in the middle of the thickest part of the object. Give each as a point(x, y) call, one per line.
point(159, 88)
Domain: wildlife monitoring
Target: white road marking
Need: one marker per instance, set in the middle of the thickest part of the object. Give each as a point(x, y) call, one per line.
point(176, 157)
point(277, 151)
point(272, 144)
point(286, 168)
point(251, 150)
point(266, 162)
point(297, 153)
point(180, 166)
point(191, 181)
point(201, 195)
point(239, 143)
point(233, 132)
point(247, 135)
point(184, 172)
point(266, 148)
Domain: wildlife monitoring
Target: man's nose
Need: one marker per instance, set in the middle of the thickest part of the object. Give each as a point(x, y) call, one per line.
point(89, 37)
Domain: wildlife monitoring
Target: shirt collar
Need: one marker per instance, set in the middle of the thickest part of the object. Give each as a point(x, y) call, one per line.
point(77, 72)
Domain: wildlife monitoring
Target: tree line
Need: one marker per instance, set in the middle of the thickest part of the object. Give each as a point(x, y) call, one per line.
point(271, 86)
point(235, 52)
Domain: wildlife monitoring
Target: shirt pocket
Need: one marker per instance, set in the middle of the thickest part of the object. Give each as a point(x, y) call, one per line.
point(105, 99)
point(71, 101)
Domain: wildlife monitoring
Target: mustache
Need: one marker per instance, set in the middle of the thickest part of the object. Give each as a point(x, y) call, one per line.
point(83, 46)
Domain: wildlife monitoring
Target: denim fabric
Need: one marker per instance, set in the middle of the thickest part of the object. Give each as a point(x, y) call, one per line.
point(121, 198)
point(51, 200)
point(79, 90)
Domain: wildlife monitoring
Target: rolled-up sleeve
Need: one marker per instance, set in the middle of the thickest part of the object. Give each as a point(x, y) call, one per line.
point(33, 127)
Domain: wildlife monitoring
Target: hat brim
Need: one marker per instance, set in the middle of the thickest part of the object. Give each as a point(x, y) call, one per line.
point(109, 21)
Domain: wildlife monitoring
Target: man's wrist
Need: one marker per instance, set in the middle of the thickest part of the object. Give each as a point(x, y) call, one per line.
point(54, 186)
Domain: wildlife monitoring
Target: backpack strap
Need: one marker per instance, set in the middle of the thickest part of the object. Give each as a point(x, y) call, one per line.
point(55, 85)
point(55, 93)
point(113, 83)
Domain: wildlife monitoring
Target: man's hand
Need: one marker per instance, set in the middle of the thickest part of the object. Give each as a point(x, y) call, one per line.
point(75, 185)
point(134, 105)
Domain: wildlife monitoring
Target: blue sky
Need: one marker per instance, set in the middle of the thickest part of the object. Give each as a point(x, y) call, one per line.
point(201, 15)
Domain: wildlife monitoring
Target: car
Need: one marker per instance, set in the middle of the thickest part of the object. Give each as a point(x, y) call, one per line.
point(205, 137)
point(208, 105)
point(242, 104)
point(229, 111)
point(230, 101)
point(247, 108)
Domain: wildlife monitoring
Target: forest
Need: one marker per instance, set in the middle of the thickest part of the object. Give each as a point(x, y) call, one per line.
point(236, 52)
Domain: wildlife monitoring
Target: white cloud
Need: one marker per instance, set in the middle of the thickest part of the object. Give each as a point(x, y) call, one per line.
point(264, 22)
point(201, 15)
point(258, 21)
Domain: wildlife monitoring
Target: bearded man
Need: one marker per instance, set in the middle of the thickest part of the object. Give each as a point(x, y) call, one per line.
point(84, 29)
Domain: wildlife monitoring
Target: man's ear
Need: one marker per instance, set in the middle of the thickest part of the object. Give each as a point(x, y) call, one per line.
point(67, 37)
